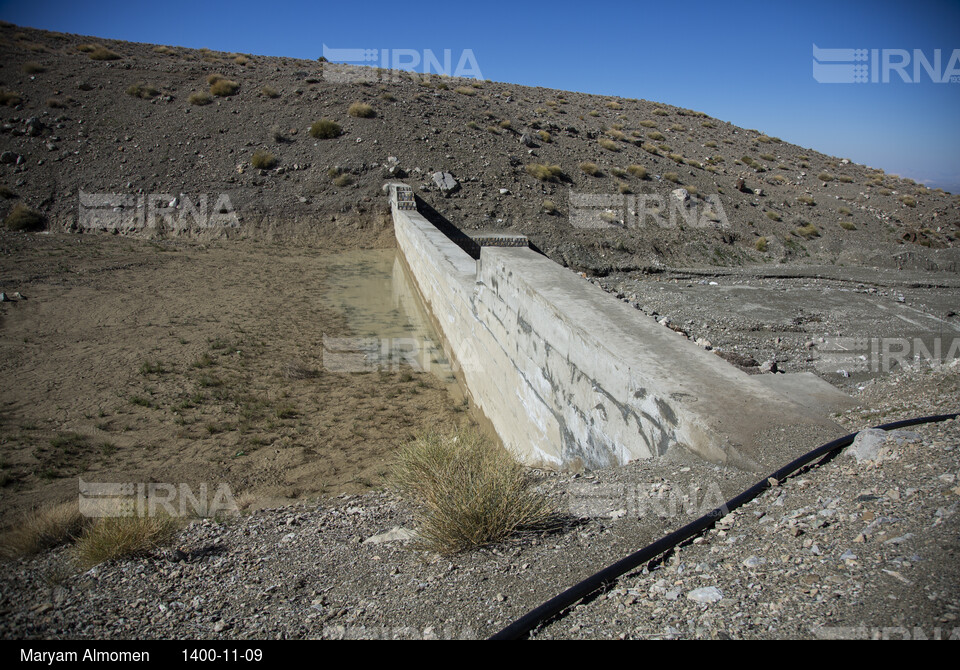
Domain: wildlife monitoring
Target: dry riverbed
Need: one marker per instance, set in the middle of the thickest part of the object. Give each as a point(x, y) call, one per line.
point(134, 361)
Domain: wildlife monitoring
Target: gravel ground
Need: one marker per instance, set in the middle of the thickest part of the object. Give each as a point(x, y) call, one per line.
point(847, 548)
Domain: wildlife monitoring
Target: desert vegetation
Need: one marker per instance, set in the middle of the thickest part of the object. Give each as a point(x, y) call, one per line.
point(469, 492)
point(325, 129)
point(362, 110)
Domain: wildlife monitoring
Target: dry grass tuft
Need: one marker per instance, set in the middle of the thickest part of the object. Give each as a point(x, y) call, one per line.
point(591, 169)
point(10, 98)
point(119, 537)
point(263, 160)
point(470, 492)
point(42, 529)
point(103, 53)
point(325, 129)
point(545, 172)
point(609, 145)
point(362, 110)
point(142, 90)
point(224, 87)
point(200, 99)
point(23, 218)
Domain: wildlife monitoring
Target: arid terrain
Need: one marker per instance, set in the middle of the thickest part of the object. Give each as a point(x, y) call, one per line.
point(194, 354)
point(136, 361)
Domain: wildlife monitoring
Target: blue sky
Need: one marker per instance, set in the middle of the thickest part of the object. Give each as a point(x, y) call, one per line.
point(749, 63)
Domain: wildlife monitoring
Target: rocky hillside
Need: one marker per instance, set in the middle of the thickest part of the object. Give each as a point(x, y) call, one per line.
point(86, 115)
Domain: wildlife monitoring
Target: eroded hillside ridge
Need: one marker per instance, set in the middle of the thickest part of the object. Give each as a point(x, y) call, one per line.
point(166, 141)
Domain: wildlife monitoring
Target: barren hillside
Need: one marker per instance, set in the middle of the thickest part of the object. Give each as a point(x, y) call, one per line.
point(82, 114)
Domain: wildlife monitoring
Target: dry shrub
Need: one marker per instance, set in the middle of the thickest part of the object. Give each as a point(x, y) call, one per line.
point(200, 99)
point(263, 160)
point(22, 217)
point(42, 529)
point(545, 172)
point(103, 53)
point(469, 491)
point(224, 87)
point(362, 110)
point(122, 536)
point(325, 129)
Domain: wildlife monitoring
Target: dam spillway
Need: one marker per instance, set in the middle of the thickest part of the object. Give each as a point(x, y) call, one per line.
point(571, 377)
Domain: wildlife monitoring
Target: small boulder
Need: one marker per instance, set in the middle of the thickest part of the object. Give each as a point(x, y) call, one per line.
point(867, 445)
point(445, 182)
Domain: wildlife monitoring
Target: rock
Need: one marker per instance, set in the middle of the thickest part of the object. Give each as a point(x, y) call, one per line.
point(9, 158)
point(705, 595)
point(680, 195)
point(392, 169)
point(504, 191)
point(753, 562)
point(4, 298)
point(769, 366)
point(395, 534)
point(758, 192)
point(867, 445)
point(34, 126)
point(527, 140)
point(742, 185)
point(445, 182)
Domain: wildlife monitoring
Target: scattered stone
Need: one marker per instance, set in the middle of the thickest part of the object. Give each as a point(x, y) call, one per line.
point(705, 595)
point(445, 182)
point(34, 126)
point(867, 445)
point(395, 534)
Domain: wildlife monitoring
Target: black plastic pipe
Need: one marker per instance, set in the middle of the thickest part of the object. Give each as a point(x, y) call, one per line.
point(597, 581)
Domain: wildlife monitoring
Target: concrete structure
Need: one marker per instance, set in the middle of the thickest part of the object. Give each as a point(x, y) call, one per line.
point(571, 377)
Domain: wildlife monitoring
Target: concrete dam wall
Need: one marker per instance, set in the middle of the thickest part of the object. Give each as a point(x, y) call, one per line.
point(571, 377)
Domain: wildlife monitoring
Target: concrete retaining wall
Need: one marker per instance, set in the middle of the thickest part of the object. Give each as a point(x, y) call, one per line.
point(569, 376)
